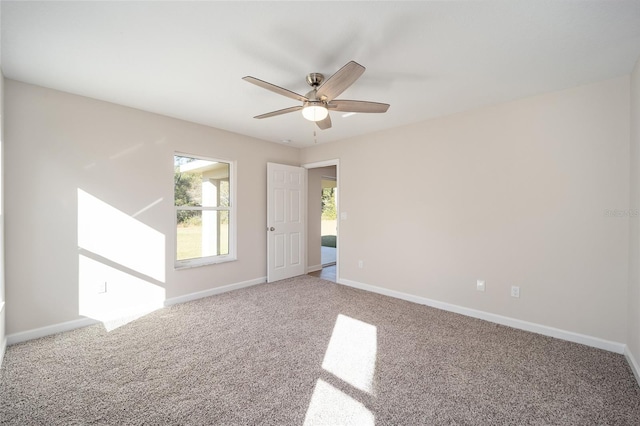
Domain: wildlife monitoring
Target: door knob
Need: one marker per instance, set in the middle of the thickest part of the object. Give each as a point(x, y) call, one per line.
point(272, 229)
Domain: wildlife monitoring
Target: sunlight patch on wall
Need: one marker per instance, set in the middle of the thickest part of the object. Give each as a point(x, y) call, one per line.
point(121, 262)
point(351, 354)
point(331, 406)
point(114, 235)
point(114, 297)
point(147, 207)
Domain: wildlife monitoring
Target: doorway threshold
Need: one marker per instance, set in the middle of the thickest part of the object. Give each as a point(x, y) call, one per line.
point(327, 273)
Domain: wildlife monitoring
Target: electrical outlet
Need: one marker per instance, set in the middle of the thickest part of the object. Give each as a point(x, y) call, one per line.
point(360, 264)
point(515, 291)
point(480, 285)
point(101, 287)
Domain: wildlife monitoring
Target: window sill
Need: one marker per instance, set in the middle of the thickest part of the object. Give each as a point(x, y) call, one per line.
point(196, 263)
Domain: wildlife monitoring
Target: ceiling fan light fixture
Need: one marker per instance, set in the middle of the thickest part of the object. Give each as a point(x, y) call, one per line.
point(315, 112)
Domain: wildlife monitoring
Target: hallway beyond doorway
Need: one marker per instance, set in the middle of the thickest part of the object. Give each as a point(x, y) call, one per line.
point(328, 256)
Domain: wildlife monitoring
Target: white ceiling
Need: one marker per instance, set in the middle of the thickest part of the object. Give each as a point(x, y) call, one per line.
point(186, 59)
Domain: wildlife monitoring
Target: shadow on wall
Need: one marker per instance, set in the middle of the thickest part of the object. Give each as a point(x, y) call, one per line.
point(121, 264)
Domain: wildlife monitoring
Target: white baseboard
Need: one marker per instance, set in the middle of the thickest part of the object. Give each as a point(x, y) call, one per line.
point(213, 291)
point(498, 319)
point(48, 330)
point(314, 268)
point(3, 348)
point(3, 344)
point(84, 322)
point(632, 363)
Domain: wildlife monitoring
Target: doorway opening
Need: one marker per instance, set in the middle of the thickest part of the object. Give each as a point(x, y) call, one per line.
point(329, 227)
point(322, 220)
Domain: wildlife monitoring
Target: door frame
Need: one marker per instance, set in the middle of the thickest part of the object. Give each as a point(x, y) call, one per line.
point(315, 165)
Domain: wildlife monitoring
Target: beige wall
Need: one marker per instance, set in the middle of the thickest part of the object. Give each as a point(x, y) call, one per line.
point(60, 143)
point(2, 268)
point(633, 336)
point(515, 194)
point(314, 214)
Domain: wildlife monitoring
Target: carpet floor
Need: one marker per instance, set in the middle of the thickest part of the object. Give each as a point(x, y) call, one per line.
point(306, 351)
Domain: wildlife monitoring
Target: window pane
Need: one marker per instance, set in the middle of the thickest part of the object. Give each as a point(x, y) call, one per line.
point(202, 234)
point(225, 193)
point(189, 235)
point(201, 182)
point(215, 225)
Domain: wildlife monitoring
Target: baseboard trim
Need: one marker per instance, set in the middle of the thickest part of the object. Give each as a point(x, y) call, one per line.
point(3, 348)
point(48, 330)
point(632, 363)
point(498, 319)
point(3, 345)
point(84, 322)
point(213, 291)
point(314, 268)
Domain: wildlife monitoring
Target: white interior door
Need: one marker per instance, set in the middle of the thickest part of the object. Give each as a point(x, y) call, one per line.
point(286, 242)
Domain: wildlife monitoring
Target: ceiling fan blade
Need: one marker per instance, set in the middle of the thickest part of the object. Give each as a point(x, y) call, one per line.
point(357, 106)
point(324, 124)
point(340, 81)
point(276, 89)
point(279, 112)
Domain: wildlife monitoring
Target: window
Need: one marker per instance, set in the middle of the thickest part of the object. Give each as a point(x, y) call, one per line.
point(205, 215)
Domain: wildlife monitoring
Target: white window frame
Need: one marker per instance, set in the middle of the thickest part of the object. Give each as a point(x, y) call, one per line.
point(208, 260)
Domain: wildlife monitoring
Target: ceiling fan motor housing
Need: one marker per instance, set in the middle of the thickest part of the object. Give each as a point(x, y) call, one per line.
point(314, 79)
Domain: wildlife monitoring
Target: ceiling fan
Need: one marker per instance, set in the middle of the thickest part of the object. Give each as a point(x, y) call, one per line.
point(322, 97)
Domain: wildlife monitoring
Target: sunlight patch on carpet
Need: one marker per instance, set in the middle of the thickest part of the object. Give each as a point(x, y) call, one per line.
point(351, 354)
point(331, 406)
